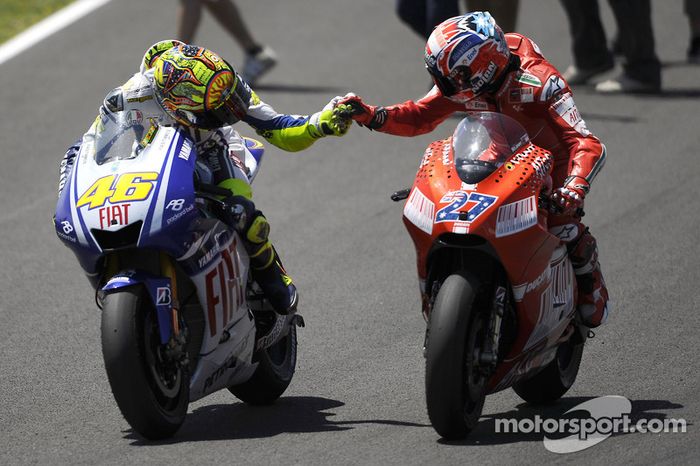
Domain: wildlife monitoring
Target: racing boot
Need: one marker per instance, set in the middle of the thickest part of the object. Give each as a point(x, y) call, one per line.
point(265, 265)
point(267, 268)
point(592, 292)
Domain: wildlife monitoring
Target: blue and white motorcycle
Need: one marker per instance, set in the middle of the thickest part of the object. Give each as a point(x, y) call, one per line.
point(181, 318)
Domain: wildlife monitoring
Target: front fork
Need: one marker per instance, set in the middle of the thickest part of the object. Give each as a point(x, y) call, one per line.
point(176, 346)
point(162, 289)
point(167, 268)
point(489, 354)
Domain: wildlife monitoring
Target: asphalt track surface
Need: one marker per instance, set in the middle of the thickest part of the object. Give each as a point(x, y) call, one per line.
point(357, 397)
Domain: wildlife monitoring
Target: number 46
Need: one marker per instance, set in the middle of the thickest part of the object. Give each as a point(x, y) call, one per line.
point(127, 187)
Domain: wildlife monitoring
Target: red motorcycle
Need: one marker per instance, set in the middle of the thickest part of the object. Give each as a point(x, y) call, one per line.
point(499, 291)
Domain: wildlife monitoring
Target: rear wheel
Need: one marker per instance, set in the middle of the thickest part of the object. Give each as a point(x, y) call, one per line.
point(553, 381)
point(151, 392)
point(274, 373)
point(455, 381)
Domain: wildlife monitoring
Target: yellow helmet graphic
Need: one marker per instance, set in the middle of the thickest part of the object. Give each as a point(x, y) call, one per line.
point(156, 51)
point(196, 87)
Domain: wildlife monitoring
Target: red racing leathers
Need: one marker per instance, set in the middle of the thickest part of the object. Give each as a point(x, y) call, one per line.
point(538, 97)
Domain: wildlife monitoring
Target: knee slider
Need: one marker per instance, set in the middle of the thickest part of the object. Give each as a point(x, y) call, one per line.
point(584, 253)
point(258, 229)
point(238, 213)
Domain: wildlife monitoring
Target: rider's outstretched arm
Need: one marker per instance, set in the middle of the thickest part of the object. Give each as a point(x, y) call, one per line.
point(294, 132)
point(405, 119)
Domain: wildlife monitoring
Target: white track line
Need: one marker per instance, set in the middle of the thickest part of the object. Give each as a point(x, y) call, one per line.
point(46, 27)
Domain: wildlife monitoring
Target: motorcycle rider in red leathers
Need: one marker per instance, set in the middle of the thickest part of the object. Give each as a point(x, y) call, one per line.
point(475, 67)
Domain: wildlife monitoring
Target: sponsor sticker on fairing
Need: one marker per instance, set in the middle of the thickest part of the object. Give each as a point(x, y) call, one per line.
point(461, 228)
point(420, 211)
point(515, 217)
point(163, 296)
point(519, 291)
point(426, 157)
point(185, 150)
point(446, 154)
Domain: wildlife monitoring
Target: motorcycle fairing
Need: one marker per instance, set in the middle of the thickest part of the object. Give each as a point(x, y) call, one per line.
point(229, 334)
point(511, 190)
point(438, 189)
point(253, 157)
point(553, 294)
point(170, 221)
point(167, 164)
point(159, 289)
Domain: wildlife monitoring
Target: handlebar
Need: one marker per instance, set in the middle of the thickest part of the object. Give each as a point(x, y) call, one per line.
point(400, 195)
point(212, 189)
point(545, 202)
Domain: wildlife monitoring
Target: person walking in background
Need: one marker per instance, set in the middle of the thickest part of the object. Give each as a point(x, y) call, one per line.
point(592, 57)
point(259, 58)
point(692, 10)
point(423, 15)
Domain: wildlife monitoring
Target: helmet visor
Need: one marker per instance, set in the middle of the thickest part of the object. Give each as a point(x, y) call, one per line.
point(224, 115)
point(459, 82)
point(444, 83)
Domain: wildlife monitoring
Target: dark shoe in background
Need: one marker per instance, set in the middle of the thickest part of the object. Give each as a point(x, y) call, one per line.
point(694, 51)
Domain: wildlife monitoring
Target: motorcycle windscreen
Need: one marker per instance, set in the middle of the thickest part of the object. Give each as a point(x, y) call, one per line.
point(483, 141)
point(118, 136)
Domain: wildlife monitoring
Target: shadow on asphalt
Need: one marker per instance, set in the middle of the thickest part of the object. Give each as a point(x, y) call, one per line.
point(670, 93)
point(608, 117)
point(298, 89)
point(678, 64)
point(301, 414)
point(485, 432)
point(681, 93)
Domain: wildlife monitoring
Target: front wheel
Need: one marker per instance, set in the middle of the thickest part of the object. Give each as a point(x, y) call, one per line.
point(555, 379)
point(274, 373)
point(151, 393)
point(455, 381)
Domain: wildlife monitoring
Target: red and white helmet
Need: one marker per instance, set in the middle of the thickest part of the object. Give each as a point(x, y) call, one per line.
point(466, 55)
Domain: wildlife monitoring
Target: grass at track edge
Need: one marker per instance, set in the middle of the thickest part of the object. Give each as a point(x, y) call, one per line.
point(18, 15)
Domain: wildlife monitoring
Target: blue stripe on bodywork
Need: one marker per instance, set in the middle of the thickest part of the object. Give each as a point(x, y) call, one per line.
point(177, 141)
point(86, 232)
